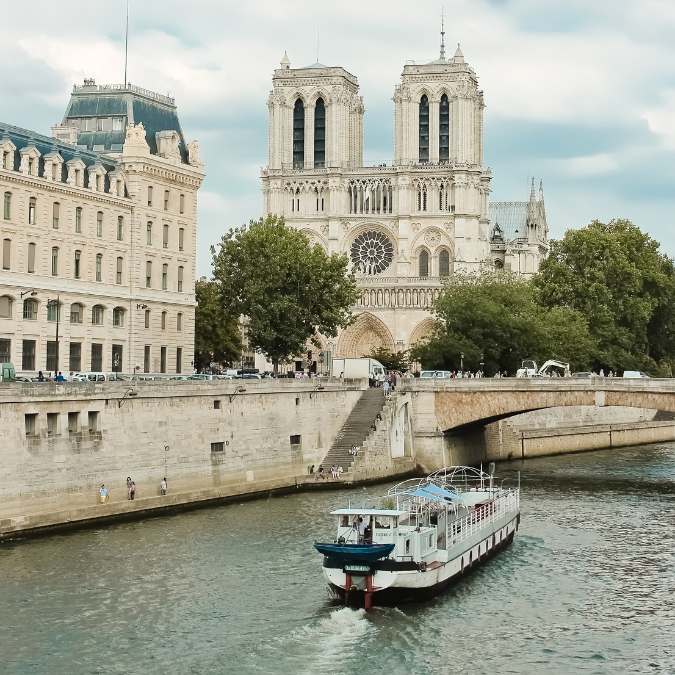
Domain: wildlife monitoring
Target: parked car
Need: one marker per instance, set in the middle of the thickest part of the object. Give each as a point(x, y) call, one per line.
point(583, 373)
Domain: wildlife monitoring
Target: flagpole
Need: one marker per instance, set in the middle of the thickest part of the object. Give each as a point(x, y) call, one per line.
point(126, 47)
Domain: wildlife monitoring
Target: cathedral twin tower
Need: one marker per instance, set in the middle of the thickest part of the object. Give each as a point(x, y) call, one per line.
point(405, 225)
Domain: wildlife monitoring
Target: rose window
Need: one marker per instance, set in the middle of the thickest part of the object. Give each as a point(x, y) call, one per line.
point(371, 253)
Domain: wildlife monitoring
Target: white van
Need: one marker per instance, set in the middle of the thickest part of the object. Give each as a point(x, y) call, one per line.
point(634, 374)
point(435, 374)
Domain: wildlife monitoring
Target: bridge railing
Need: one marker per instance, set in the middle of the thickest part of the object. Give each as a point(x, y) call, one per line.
point(656, 385)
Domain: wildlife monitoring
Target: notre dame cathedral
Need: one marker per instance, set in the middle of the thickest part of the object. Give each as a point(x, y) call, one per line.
point(405, 225)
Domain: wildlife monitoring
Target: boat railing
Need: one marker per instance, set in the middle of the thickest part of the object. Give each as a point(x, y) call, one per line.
point(484, 515)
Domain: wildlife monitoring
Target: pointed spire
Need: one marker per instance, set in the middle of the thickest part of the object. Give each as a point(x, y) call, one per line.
point(532, 194)
point(541, 190)
point(442, 34)
point(285, 61)
point(459, 57)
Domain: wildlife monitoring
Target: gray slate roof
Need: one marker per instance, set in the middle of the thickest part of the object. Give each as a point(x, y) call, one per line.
point(511, 218)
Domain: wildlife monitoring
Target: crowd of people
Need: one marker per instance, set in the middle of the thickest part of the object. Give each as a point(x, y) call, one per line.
point(104, 491)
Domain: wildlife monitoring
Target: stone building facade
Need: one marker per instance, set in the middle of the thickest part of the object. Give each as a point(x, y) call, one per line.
point(408, 225)
point(98, 230)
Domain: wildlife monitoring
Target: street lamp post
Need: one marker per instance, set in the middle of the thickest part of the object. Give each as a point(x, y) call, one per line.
point(58, 312)
point(482, 362)
point(461, 361)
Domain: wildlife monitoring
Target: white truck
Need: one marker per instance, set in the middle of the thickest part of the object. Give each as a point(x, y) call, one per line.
point(358, 368)
point(529, 369)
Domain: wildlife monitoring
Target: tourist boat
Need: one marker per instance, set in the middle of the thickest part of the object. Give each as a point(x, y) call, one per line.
point(424, 533)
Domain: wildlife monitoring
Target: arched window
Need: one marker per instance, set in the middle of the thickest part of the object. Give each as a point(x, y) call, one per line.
point(424, 263)
point(424, 129)
point(6, 302)
point(99, 267)
point(298, 135)
point(97, 312)
point(444, 263)
point(76, 312)
point(7, 211)
point(444, 129)
point(319, 134)
point(118, 316)
point(53, 310)
point(30, 309)
point(55, 261)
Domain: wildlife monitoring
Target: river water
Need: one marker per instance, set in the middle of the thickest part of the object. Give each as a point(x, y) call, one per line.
point(587, 587)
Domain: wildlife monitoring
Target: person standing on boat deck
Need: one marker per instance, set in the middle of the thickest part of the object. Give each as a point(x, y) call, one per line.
point(362, 529)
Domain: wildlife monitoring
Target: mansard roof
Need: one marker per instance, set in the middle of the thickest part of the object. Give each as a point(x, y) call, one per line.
point(132, 104)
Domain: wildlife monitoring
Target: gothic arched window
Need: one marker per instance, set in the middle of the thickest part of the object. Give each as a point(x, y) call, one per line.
point(424, 129)
point(424, 263)
point(444, 264)
point(319, 134)
point(444, 129)
point(298, 135)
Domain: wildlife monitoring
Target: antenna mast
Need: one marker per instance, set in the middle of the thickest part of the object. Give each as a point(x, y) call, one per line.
point(126, 47)
point(442, 33)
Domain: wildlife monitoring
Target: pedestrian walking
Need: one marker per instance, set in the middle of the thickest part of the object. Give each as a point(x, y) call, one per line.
point(162, 486)
point(103, 494)
point(132, 491)
point(385, 387)
point(129, 484)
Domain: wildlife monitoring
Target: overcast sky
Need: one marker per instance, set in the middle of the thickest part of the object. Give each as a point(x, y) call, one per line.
point(579, 93)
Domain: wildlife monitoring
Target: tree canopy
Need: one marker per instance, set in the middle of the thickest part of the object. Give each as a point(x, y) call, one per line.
point(217, 335)
point(390, 360)
point(615, 276)
point(289, 290)
point(494, 318)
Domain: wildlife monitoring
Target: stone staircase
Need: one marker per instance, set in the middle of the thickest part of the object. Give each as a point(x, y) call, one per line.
point(355, 430)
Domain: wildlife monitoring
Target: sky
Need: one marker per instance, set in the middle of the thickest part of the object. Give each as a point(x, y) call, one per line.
point(579, 94)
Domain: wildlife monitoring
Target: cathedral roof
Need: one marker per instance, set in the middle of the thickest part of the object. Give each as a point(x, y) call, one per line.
point(511, 218)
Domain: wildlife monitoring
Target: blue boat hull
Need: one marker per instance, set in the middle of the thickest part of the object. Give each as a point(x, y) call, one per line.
point(347, 553)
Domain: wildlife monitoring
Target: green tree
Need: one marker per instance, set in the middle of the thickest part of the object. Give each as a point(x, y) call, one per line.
point(217, 335)
point(390, 360)
point(616, 277)
point(494, 318)
point(289, 290)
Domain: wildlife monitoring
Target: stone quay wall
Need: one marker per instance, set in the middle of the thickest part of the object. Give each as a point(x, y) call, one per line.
point(61, 441)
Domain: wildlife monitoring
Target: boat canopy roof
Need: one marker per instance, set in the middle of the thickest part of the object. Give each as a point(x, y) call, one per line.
point(472, 497)
point(436, 493)
point(368, 512)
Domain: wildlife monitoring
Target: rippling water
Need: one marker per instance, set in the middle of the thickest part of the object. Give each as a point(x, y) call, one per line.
point(587, 587)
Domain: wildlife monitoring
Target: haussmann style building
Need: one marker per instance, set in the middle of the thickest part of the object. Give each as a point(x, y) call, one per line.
point(98, 231)
point(405, 225)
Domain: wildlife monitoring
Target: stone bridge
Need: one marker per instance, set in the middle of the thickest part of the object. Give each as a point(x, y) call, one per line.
point(461, 408)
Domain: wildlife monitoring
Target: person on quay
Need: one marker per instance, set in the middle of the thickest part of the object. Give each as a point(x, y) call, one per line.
point(163, 486)
point(103, 494)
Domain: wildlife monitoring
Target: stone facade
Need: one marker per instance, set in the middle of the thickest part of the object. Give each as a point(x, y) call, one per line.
point(101, 219)
point(408, 225)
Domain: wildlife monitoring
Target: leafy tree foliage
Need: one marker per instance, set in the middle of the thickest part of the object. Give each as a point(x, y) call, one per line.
point(217, 335)
point(391, 360)
point(289, 290)
point(494, 318)
point(616, 277)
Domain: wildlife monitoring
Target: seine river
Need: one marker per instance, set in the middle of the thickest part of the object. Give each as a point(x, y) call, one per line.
point(587, 587)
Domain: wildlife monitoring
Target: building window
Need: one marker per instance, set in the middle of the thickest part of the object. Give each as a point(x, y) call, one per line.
point(179, 321)
point(118, 270)
point(5, 350)
point(32, 206)
point(118, 317)
point(6, 254)
point(296, 440)
point(444, 264)
point(116, 358)
point(53, 311)
point(218, 446)
point(52, 356)
point(73, 421)
point(76, 312)
point(75, 356)
point(99, 267)
point(97, 312)
point(444, 129)
point(163, 321)
point(162, 360)
point(147, 318)
point(181, 238)
point(7, 210)
point(30, 310)
point(165, 276)
point(120, 228)
point(28, 354)
point(182, 204)
point(149, 195)
point(165, 236)
point(78, 219)
point(424, 263)
point(97, 358)
point(298, 135)
point(6, 308)
point(148, 233)
point(166, 200)
point(148, 273)
point(180, 279)
point(55, 261)
point(424, 129)
point(92, 416)
point(31, 258)
point(30, 422)
point(146, 359)
point(179, 359)
point(56, 211)
point(76, 264)
point(216, 404)
point(319, 134)
point(99, 223)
